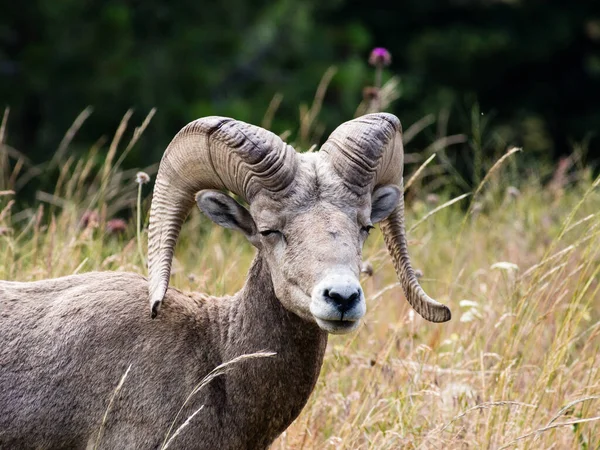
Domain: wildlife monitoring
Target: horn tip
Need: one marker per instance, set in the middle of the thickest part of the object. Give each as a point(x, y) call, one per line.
point(154, 306)
point(156, 302)
point(441, 314)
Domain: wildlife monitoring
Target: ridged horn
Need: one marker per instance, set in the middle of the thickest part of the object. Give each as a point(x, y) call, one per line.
point(209, 153)
point(367, 152)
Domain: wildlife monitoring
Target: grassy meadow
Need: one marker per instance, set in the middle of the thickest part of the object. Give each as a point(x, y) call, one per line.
point(517, 260)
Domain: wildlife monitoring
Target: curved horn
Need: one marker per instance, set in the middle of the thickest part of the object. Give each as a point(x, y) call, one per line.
point(367, 152)
point(209, 153)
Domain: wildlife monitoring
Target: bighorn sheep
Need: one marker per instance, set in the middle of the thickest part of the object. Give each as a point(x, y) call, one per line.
point(65, 343)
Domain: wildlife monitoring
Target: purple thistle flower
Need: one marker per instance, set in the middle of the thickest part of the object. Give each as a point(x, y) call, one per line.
point(116, 226)
point(380, 57)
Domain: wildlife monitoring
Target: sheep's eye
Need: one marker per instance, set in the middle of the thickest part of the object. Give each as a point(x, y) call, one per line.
point(269, 232)
point(367, 229)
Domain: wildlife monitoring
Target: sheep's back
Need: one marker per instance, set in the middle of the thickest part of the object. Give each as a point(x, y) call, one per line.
point(66, 343)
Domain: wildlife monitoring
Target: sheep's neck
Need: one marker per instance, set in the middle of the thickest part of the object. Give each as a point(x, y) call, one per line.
point(275, 388)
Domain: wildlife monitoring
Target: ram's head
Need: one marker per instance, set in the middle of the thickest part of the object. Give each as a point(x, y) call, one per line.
point(309, 214)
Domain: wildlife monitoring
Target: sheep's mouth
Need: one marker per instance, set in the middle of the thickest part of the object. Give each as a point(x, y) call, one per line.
point(338, 326)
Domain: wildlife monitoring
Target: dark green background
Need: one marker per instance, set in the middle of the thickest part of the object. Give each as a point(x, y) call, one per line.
point(531, 67)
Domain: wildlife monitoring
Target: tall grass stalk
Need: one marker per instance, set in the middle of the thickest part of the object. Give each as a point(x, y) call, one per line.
point(218, 371)
point(109, 407)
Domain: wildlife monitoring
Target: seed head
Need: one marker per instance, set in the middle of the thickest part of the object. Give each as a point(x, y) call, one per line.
point(513, 192)
point(380, 57)
point(142, 178)
point(367, 268)
point(432, 199)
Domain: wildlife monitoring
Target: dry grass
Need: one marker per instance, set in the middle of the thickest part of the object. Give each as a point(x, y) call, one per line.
point(522, 343)
point(517, 367)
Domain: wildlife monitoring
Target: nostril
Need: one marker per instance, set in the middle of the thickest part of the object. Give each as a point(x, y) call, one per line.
point(344, 298)
point(353, 297)
point(335, 296)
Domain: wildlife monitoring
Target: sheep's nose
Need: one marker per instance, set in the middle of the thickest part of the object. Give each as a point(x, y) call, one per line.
point(343, 297)
point(338, 303)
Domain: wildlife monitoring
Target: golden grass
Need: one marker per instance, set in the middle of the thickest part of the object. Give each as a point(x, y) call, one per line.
point(517, 367)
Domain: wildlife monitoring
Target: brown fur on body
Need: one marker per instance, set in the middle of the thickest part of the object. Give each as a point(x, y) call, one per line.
point(66, 343)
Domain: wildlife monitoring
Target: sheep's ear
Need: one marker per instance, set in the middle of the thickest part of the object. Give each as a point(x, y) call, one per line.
point(383, 201)
point(225, 211)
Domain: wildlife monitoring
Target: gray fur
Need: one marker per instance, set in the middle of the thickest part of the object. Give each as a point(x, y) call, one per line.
point(66, 343)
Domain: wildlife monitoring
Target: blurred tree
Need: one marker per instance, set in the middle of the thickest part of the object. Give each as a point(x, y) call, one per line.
point(531, 66)
point(535, 65)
